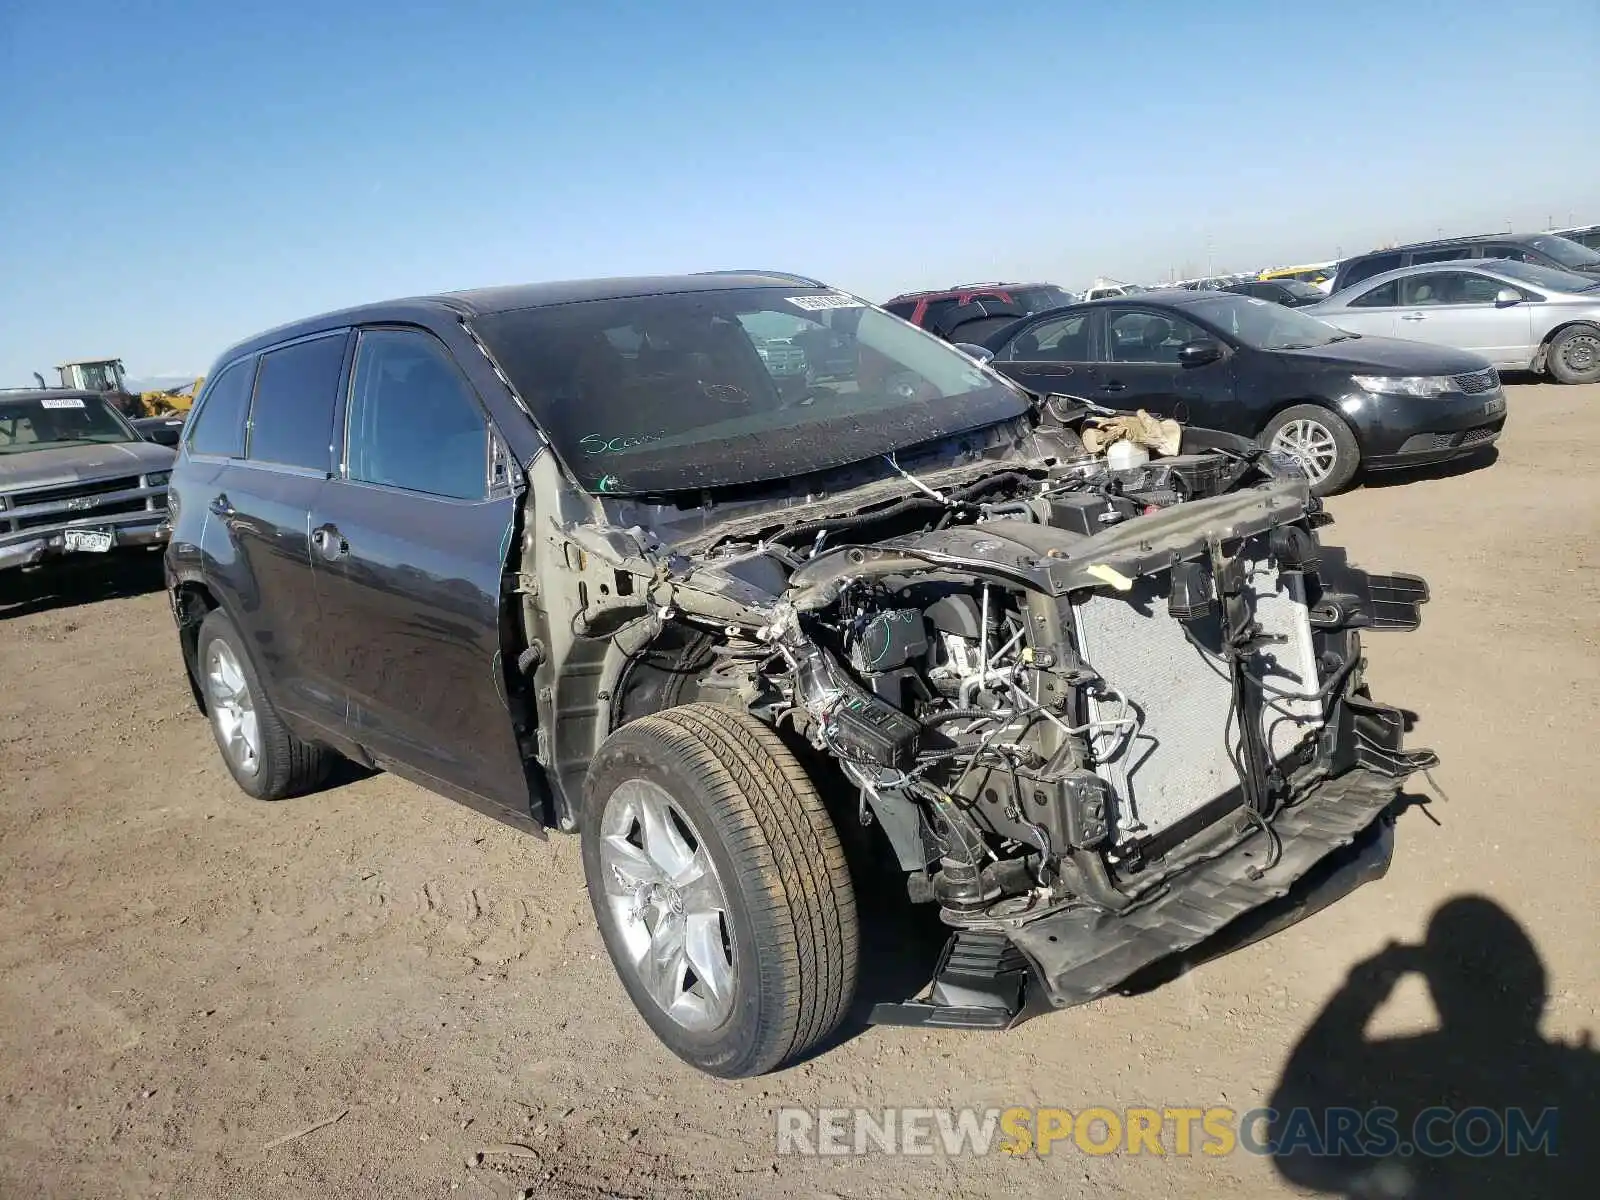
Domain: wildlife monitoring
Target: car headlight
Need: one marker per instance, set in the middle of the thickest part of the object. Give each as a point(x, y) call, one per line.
point(1406, 385)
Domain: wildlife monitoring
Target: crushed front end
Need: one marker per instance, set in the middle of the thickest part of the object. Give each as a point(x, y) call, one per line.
point(1102, 721)
point(1099, 715)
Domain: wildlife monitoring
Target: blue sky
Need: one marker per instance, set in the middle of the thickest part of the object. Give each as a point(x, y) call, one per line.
point(179, 175)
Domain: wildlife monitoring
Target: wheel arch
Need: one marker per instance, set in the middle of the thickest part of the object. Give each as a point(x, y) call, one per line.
point(192, 602)
point(1541, 356)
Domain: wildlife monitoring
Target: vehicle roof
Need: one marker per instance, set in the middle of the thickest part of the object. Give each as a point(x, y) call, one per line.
point(481, 302)
point(48, 394)
point(962, 288)
point(1488, 265)
point(1471, 239)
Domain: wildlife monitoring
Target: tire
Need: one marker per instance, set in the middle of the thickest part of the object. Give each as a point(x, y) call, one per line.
point(1574, 355)
point(281, 764)
point(700, 829)
point(1313, 427)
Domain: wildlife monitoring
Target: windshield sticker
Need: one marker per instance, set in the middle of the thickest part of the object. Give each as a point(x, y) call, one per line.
point(597, 443)
point(819, 303)
point(608, 483)
point(60, 402)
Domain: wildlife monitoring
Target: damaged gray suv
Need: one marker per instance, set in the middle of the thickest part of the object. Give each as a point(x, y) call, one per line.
point(583, 556)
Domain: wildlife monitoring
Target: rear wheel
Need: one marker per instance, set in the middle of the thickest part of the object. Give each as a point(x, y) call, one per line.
point(1323, 442)
point(264, 758)
point(1574, 355)
point(720, 888)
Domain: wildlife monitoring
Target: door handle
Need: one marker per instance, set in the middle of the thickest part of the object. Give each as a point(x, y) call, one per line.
point(222, 506)
point(329, 542)
point(1414, 317)
point(1116, 386)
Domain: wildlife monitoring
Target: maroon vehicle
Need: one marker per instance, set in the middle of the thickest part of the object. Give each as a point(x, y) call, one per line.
point(974, 311)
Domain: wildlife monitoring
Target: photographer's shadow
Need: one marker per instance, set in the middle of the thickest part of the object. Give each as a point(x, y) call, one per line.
point(1489, 988)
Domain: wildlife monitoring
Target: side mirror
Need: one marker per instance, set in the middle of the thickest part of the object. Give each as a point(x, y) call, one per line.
point(1506, 297)
point(1199, 352)
point(981, 353)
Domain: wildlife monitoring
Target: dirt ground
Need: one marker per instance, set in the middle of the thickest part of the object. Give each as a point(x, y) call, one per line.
point(188, 977)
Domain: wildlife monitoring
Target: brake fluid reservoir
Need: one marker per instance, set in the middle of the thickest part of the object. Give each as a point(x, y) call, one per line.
point(1125, 455)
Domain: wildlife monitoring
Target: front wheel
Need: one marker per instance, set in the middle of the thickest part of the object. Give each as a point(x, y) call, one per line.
point(720, 888)
point(1323, 442)
point(1574, 355)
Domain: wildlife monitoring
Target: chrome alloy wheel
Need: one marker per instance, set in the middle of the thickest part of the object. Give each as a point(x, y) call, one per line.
point(233, 709)
point(668, 904)
point(1312, 443)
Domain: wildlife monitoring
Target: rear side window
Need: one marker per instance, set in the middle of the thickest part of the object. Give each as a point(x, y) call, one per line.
point(291, 422)
point(903, 310)
point(1368, 267)
point(219, 429)
point(1445, 254)
point(414, 422)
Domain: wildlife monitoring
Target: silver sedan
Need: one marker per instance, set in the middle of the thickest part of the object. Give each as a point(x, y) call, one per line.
point(1520, 316)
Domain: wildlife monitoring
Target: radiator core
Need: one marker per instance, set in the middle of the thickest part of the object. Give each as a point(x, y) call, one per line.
point(1178, 760)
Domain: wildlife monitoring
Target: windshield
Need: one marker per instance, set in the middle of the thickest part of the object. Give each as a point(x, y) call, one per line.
point(710, 389)
point(1263, 325)
point(1549, 278)
point(46, 422)
point(1565, 251)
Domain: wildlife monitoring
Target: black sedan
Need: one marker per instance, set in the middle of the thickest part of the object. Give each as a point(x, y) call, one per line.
point(1290, 293)
point(1337, 401)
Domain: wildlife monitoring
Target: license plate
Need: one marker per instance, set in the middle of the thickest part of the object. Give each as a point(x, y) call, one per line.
point(94, 541)
point(1495, 406)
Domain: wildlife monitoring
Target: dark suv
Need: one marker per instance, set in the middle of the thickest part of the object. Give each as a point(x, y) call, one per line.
point(974, 311)
point(1545, 249)
point(580, 555)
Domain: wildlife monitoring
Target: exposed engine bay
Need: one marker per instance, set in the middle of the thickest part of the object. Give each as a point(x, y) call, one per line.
point(1097, 712)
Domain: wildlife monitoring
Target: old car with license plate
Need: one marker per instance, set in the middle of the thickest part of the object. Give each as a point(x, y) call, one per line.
point(75, 478)
point(570, 554)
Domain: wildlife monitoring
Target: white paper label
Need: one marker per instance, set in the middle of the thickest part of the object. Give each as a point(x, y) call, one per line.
point(61, 402)
point(818, 303)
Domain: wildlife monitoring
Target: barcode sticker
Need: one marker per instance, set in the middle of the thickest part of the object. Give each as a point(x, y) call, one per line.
point(818, 303)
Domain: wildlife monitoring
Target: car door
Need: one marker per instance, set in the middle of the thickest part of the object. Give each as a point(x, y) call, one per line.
point(1372, 311)
point(410, 541)
point(1053, 354)
point(1139, 368)
point(1459, 309)
point(258, 500)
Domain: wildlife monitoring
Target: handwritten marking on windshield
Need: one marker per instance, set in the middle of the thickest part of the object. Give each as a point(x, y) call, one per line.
point(596, 443)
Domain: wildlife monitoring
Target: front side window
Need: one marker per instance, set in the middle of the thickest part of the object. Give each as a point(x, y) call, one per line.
point(747, 385)
point(219, 427)
point(48, 422)
point(413, 420)
point(1149, 337)
point(1426, 291)
point(1477, 289)
point(1060, 339)
point(291, 421)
